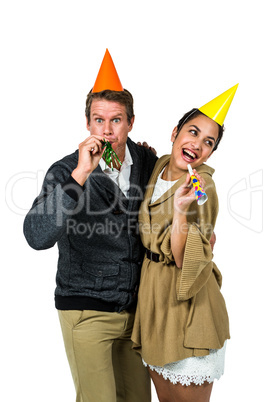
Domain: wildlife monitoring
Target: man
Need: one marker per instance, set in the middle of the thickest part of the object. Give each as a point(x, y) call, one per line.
point(91, 210)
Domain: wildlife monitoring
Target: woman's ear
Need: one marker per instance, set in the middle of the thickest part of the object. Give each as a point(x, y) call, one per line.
point(210, 155)
point(174, 134)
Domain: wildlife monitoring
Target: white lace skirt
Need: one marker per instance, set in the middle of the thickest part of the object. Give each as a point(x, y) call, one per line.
point(194, 370)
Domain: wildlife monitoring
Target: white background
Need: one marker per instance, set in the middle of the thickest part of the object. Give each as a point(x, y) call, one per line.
point(172, 56)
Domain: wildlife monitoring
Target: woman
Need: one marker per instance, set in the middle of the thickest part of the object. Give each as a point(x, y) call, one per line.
point(181, 323)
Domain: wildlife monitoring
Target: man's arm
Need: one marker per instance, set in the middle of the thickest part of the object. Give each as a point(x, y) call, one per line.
point(46, 221)
point(59, 198)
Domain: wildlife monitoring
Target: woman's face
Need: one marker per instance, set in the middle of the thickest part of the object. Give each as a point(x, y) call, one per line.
point(194, 143)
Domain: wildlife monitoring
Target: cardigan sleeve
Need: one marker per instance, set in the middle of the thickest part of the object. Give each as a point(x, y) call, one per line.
point(197, 262)
point(46, 221)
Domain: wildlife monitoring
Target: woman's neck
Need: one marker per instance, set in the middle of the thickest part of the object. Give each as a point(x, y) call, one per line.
point(170, 174)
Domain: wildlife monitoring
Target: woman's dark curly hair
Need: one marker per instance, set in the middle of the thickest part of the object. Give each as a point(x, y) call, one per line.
point(191, 115)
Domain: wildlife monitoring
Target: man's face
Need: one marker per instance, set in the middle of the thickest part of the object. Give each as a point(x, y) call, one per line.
point(109, 120)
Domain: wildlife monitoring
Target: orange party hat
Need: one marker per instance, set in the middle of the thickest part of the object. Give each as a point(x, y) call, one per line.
point(107, 76)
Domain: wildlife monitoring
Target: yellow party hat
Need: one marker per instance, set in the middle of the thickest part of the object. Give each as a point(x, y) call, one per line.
point(217, 108)
point(107, 76)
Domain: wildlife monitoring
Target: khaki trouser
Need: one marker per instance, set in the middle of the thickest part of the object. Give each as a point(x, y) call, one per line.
point(104, 366)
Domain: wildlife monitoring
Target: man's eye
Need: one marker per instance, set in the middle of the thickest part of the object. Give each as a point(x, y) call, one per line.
point(117, 120)
point(99, 120)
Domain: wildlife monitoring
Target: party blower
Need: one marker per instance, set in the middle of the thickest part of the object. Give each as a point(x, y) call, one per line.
point(200, 194)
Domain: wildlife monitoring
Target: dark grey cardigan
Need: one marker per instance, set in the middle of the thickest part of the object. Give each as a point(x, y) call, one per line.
point(96, 229)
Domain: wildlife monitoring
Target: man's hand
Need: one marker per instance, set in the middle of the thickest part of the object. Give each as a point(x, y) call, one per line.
point(145, 145)
point(212, 240)
point(90, 153)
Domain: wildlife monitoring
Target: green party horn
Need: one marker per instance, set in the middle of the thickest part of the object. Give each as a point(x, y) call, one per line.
point(109, 154)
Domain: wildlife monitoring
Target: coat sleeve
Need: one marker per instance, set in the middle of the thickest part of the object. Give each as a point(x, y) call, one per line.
point(46, 221)
point(197, 262)
point(165, 246)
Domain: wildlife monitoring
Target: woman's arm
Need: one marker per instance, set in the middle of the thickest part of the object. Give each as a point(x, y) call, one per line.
point(197, 258)
point(183, 198)
point(179, 232)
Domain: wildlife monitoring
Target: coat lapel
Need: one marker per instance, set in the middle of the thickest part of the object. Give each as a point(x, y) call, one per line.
point(169, 193)
point(103, 180)
point(135, 169)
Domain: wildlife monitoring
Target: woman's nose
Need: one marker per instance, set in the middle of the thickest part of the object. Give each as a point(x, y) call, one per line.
point(195, 144)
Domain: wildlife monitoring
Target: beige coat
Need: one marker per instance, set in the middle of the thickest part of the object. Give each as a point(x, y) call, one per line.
point(181, 311)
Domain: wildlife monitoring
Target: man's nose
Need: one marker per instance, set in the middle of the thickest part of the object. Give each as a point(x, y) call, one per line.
point(107, 128)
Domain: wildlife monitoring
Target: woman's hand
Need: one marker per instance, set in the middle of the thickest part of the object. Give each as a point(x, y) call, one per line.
point(185, 194)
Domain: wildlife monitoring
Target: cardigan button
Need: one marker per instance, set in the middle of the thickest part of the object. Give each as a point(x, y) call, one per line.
point(117, 212)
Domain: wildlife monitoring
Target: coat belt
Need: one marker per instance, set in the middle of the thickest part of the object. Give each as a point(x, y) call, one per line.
point(152, 256)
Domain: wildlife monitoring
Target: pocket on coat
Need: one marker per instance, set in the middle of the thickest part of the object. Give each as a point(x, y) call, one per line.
point(100, 276)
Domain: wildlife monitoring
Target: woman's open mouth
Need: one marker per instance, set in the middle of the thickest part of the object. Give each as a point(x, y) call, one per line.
point(188, 155)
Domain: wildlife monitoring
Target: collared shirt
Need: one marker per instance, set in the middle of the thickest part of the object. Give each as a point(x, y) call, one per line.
point(120, 177)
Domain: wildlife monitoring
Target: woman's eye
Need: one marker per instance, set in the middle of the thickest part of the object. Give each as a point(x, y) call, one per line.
point(193, 132)
point(208, 142)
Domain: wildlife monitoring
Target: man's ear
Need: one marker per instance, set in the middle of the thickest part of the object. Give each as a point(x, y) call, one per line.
point(130, 126)
point(87, 124)
point(174, 134)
